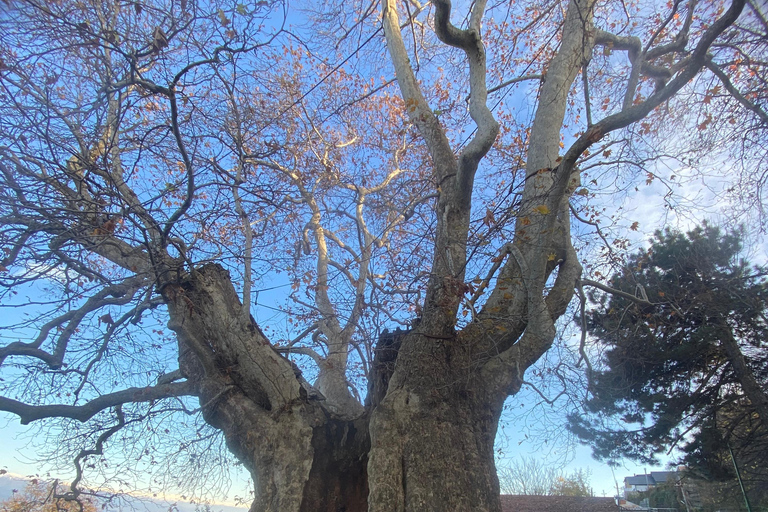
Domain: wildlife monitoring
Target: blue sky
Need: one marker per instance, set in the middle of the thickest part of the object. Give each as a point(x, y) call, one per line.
point(646, 206)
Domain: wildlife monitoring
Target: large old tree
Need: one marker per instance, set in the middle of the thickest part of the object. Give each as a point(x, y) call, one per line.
point(170, 161)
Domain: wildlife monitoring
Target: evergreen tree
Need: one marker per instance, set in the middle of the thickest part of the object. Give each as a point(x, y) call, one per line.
point(686, 356)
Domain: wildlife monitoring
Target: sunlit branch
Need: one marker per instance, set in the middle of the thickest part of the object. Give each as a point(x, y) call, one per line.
point(332, 236)
point(304, 351)
point(416, 105)
point(381, 185)
point(365, 240)
point(324, 304)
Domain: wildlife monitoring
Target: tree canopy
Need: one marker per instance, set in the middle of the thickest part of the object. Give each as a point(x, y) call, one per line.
point(531, 477)
point(40, 496)
point(686, 360)
point(330, 238)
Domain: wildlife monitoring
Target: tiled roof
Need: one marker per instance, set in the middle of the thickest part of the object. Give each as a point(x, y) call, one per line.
point(518, 503)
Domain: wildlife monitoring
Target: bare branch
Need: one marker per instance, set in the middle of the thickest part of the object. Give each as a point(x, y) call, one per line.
point(535, 76)
point(487, 128)
point(693, 64)
point(29, 413)
point(118, 294)
point(418, 110)
point(613, 291)
point(746, 103)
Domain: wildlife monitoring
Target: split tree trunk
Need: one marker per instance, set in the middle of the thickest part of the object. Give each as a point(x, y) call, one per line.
point(434, 412)
point(435, 425)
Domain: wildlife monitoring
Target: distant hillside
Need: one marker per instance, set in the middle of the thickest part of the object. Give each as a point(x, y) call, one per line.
point(9, 482)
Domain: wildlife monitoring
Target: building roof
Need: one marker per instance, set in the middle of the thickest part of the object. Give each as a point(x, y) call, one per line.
point(664, 476)
point(518, 503)
point(639, 480)
point(652, 478)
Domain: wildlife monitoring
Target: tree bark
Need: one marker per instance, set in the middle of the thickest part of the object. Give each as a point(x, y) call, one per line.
point(301, 455)
point(752, 389)
point(434, 432)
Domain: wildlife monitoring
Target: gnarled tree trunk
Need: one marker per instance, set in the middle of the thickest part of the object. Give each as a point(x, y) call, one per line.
point(424, 439)
point(437, 392)
point(302, 457)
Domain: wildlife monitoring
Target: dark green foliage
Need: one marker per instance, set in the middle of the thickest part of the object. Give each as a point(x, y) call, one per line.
point(667, 380)
point(661, 496)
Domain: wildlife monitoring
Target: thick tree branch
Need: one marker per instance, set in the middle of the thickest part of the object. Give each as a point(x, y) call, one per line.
point(29, 413)
point(697, 60)
point(487, 128)
point(418, 110)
